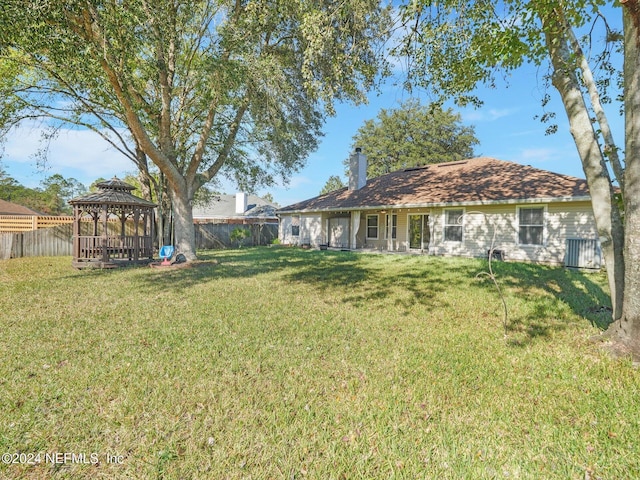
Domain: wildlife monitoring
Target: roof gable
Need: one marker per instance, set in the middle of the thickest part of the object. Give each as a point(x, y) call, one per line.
point(477, 180)
point(224, 206)
point(8, 208)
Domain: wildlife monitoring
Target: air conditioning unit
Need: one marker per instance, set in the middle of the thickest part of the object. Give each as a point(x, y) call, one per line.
point(582, 253)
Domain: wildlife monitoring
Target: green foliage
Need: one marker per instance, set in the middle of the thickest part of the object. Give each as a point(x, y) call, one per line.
point(333, 183)
point(204, 196)
point(94, 185)
point(51, 198)
point(413, 135)
point(454, 45)
point(277, 363)
point(268, 197)
point(238, 235)
point(59, 190)
point(203, 87)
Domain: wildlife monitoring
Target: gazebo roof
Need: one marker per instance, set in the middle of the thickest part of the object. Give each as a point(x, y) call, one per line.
point(113, 192)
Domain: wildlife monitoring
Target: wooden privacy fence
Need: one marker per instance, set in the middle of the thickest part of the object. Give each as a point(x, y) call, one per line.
point(46, 242)
point(52, 241)
point(218, 235)
point(58, 241)
point(26, 223)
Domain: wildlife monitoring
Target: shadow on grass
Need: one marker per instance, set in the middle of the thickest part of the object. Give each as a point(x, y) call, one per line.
point(546, 290)
point(368, 279)
point(363, 279)
point(359, 280)
point(337, 268)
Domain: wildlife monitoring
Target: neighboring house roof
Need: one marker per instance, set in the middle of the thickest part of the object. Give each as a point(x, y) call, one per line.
point(8, 208)
point(224, 206)
point(474, 181)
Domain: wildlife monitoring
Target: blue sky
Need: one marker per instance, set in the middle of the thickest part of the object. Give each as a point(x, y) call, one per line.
point(506, 127)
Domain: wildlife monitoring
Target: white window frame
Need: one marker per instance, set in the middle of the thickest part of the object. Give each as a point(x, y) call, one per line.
point(423, 246)
point(394, 227)
point(544, 225)
point(295, 222)
point(445, 225)
point(377, 226)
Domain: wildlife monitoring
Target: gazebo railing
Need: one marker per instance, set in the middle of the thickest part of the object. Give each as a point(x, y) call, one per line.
point(114, 247)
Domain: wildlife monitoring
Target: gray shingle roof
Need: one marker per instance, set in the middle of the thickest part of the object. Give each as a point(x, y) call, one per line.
point(113, 192)
point(224, 206)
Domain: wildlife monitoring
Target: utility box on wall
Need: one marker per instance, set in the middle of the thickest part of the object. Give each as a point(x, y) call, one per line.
point(582, 253)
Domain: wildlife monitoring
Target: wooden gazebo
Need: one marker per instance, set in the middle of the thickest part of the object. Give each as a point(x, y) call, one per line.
point(112, 227)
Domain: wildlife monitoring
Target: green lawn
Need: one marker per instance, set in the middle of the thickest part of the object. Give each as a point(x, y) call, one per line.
point(279, 363)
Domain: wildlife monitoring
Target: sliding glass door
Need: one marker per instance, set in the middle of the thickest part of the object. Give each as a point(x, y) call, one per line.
point(419, 234)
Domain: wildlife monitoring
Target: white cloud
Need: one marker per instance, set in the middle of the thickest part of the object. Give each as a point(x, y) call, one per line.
point(83, 153)
point(540, 154)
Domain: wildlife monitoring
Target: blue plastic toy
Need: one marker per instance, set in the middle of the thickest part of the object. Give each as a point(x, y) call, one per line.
point(166, 252)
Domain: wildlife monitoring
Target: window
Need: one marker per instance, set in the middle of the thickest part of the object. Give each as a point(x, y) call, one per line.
point(295, 225)
point(531, 226)
point(453, 225)
point(394, 226)
point(372, 226)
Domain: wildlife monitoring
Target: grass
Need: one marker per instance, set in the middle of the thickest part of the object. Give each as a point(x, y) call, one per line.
point(277, 363)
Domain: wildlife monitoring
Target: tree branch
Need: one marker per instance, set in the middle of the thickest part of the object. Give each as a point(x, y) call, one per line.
point(89, 28)
point(228, 144)
point(610, 148)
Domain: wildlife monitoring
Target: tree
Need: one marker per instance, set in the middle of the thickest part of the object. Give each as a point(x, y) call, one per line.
point(8, 185)
point(51, 198)
point(57, 191)
point(413, 135)
point(268, 197)
point(460, 44)
point(333, 183)
point(200, 88)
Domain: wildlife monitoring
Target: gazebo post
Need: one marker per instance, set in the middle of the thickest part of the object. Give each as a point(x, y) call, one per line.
point(136, 239)
point(105, 234)
point(76, 233)
point(124, 248)
point(152, 232)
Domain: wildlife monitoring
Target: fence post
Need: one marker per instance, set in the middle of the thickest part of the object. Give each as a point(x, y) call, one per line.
point(18, 248)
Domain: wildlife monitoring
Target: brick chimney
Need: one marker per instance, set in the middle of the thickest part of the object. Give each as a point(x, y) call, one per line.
point(357, 170)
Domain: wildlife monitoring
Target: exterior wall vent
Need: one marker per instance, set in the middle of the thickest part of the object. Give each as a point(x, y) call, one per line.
point(582, 253)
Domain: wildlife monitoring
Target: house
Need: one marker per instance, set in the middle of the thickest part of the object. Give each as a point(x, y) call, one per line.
point(217, 222)
point(461, 208)
point(241, 208)
point(8, 208)
point(16, 218)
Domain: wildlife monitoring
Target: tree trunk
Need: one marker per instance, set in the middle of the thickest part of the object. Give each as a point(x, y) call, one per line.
point(184, 232)
point(605, 211)
point(629, 326)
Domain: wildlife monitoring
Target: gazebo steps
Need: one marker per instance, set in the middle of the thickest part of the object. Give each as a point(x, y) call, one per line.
point(81, 265)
